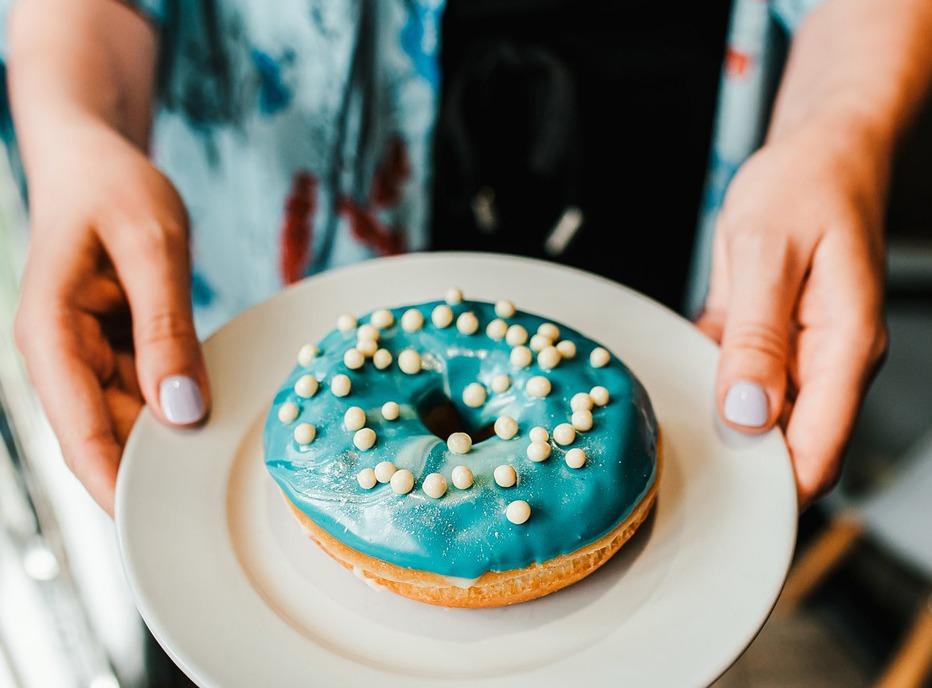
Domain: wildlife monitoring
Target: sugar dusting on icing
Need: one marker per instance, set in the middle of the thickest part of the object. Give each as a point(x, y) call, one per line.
point(464, 532)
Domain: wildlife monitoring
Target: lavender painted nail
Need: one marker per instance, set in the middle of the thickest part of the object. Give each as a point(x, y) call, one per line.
point(746, 404)
point(181, 399)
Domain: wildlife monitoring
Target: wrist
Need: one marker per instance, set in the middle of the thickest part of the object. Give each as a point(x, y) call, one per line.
point(71, 132)
point(843, 126)
point(857, 145)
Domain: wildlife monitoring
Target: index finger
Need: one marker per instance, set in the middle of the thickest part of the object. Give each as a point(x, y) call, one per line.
point(74, 403)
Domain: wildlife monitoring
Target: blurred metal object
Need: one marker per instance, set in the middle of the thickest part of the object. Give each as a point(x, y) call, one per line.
point(563, 232)
point(46, 634)
point(483, 210)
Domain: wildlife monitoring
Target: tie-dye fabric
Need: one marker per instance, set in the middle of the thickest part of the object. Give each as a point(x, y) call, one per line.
point(749, 79)
point(299, 132)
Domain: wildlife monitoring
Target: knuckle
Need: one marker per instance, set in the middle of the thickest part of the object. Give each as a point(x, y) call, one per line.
point(761, 338)
point(85, 441)
point(159, 238)
point(164, 327)
point(869, 338)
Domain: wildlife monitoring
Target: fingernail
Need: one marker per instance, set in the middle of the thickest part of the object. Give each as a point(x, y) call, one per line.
point(746, 404)
point(181, 399)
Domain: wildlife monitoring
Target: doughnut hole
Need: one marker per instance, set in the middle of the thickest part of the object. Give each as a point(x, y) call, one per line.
point(440, 415)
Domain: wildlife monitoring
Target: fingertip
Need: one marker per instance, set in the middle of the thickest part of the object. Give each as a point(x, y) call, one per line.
point(182, 402)
point(747, 406)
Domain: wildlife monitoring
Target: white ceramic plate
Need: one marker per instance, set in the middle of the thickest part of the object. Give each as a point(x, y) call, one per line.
point(236, 594)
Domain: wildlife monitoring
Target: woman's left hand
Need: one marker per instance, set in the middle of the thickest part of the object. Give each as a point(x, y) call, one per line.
point(796, 295)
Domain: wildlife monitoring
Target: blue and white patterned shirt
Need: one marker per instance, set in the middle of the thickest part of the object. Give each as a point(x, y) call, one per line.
point(299, 133)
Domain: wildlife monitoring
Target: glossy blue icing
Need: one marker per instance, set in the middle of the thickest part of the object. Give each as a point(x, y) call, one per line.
point(465, 533)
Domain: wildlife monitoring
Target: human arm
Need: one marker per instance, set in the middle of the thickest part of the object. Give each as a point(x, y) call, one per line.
point(796, 294)
point(105, 315)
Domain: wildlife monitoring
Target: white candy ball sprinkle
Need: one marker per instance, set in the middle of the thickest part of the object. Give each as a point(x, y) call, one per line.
point(459, 443)
point(412, 320)
point(409, 361)
point(306, 386)
point(366, 478)
point(506, 427)
point(353, 359)
point(346, 323)
point(402, 481)
point(474, 395)
point(368, 331)
point(520, 357)
point(564, 434)
point(599, 357)
point(505, 475)
point(304, 433)
point(539, 342)
point(307, 354)
point(340, 385)
point(575, 458)
point(538, 451)
point(550, 331)
point(382, 359)
point(516, 335)
point(505, 309)
point(567, 349)
point(539, 434)
point(364, 439)
point(501, 383)
point(537, 387)
point(518, 512)
point(442, 316)
point(384, 470)
point(354, 418)
point(382, 319)
point(467, 323)
point(434, 485)
point(391, 410)
point(367, 347)
point(549, 358)
point(462, 478)
point(497, 329)
point(581, 402)
point(454, 296)
point(599, 395)
point(288, 411)
point(582, 420)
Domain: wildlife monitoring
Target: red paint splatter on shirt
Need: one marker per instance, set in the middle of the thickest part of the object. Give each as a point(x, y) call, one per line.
point(369, 230)
point(737, 62)
point(297, 227)
point(393, 171)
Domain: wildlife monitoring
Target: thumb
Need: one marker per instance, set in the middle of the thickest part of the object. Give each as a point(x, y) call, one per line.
point(151, 260)
point(752, 370)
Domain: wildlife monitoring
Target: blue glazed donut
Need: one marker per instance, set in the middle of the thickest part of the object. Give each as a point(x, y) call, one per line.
point(453, 539)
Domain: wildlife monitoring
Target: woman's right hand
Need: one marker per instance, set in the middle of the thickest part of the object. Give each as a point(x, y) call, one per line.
point(105, 321)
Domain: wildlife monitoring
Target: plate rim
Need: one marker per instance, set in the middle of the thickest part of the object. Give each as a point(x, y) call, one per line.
point(151, 615)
